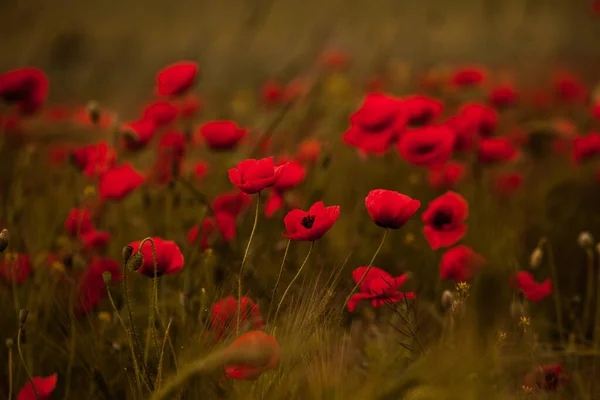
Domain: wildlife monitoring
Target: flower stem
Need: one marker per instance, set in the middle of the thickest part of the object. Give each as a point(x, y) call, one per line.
point(20, 350)
point(312, 244)
point(239, 308)
point(10, 369)
point(153, 293)
point(555, 289)
point(160, 359)
point(287, 247)
point(589, 290)
point(367, 271)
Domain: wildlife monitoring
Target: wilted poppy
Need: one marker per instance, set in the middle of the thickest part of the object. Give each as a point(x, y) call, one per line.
point(252, 176)
point(256, 340)
point(43, 386)
point(533, 290)
point(444, 220)
point(389, 209)
point(169, 259)
point(310, 225)
point(460, 263)
point(223, 315)
point(176, 79)
point(377, 286)
point(119, 181)
point(222, 135)
point(428, 146)
point(446, 176)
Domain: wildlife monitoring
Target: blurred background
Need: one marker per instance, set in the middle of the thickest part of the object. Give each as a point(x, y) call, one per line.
point(110, 49)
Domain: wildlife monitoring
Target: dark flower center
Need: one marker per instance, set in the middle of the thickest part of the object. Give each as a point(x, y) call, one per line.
point(420, 119)
point(425, 148)
point(308, 221)
point(441, 219)
point(551, 381)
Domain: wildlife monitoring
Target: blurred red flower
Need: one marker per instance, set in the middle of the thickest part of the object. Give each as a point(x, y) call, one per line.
point(291, 176)
point(252, 176)
point(379, 287)
point(468, 76)
point(483, 119)
point(272, 94)
point(586, 147)
point(444, 220)
point(137, 134)
point(533, 290)
point(78, 222)
point(447, 175)
point(223, 315)
point(496, 150)
point(43, 386)
point(428, 146)
point(202, 234)
point(568, 88)
point(460, 263)
point(335, 60)
point(190, 106)
point(15, 268)
point(92, 288)
point(503, 96)
point(176, 79)
point(464, 132)
point(25, 87)
point(200, 169)
point(274, 203)
point(547, 377)
point(596, 110)
point(389, 209)
point(255, 340)
point(222, 135)
point(161, 112)
point(421, 110)
point(310, 225)
point(169, 259)
point(308, 151)
point(95, 240)
point(119, 181)
point(507, 183)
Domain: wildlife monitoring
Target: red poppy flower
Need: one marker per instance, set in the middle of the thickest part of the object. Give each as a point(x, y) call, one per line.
point(469, 76)
point(99, 159)
point(43, 386)
point(444, 220)
point(428, 146)
point(460, 263)
point(202, 234)
point(505, 184)
point(586, 147)
point(547, 377)
point(464, 131)
point(272, 94)
point(252, 176)
point(176, 79)
point(200, 170)
point(78, 222)
point(310, 225)
point(533, 290)
point(447, 175)
point(137, 134)
point(162, 113)
point(169, 259)
point(596, 111)
point(503, 96)
point(172, 145)
point(254, 340)
point(224, 315)
point(57, 155)
point(308, 151)
point(222, 135)
point(379, 287)
point(92, 288)
point(422, 110)
point(190, 106)
point(94, 240)
point(389, 209)
point(291, 176)
point(376, 124)
point(496, 150)
point(25, 87)
point(274, 203)
point(15, 268)
point(233, 203)
point(483, 119)
point(568, 88)
point(119, 181)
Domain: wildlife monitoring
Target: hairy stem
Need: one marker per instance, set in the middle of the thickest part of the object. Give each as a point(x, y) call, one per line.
point(20, 350)
point(287, 247)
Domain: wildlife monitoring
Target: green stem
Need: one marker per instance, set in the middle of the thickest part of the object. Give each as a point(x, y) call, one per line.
point(287, 247)
point(20, 350)
point(555, 289)
point(239, 308)
point(362, 278)
point(293, 280)
point(153, 294)
point(10, 371)
point(589, 290)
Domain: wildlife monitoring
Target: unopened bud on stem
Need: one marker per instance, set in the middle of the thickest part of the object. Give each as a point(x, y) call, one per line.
point(23, 313)
point(107, 277)
point(447, 299)
point(126, 252)
point(585, 239)
point(3, 240)
point(536, 258)
point(135, 261)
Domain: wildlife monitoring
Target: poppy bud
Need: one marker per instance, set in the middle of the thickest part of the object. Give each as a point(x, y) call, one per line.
point(3, 240)
point(447, 299)
point(136, 261)
point(126, 252)
point(23, 313)
point(536, 258)
point(93, 111)
point(585, 239)
point(9, 343)
point(107, 276)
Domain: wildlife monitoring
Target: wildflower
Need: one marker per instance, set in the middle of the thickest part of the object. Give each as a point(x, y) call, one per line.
point(119, 181)
point(462, 290)
point(25, 87)
point(377, 286)
point(585, 239)
point(310, 225)
point(421, 110)
point(482, 119)
point(464, 132)
point(468, 76)
point(252, 176)
point(222, 135)
point(496, 150)
point(291, 176)
point(568, 88)
point(43, 386)
point(200, 170)
point(189, 106)
point(308, 151)
point(201, 234)
point(15, 268)
point(547, 377)
point(95, 239)
point(169, 259)
point(506, 183)
point(162, 113)
point(389, 209)
point(137, 134)
point(92, 288)
point(446, 176)
point(78, 222)
point(444, 220)
point(272, 94)
point(460, 263)
point(223, 314)
point(503, 96)
point(596, 107)
point(257, 340)
point(533, 290)
point(176, 79)
point(428, 146)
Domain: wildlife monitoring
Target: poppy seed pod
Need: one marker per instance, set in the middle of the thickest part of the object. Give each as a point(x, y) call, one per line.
point(447, 299)
point(93, 111)
point(536, 258)
point(3, 240)
point(585, 239)
point(107, 277)
point(126, 252)
point(135, 262)
point(23, 313)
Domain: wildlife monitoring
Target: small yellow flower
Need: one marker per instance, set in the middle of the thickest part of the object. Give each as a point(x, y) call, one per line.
point(501, 336)
point(524, 322)
point(58, 267)
point(462, 289)
point(104, 316)
point(89, 191)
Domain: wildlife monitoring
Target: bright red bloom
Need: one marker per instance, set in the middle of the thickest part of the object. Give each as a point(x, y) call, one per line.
point(291, 176)
point(505, 184)
point(503, 96)
point(92, 288)
point(428, 146)
point(547, 377)
point(533, 290)
point(469, 76)
point(162, 113)
point(586, 147)
point(389, 209)
point(119, 181)
point(200, 169)
point(205, 232)
point(224, 316)
point(25, 87)
point(233, 203)
point(379, 287)
point(15, 269)
point(252, 176)
point(482, 119)
point(421, 110)
point(460, 263)
point(596, 111)
point(95, 159)
point(274, 203)
point(376, 124)
point(310, 225)
point(254, 339)
point(496, 150)
point(444, 220)
point(568, 88)
point(176, 79)
point(308, 151)
point(43, 386)
point(172, 145)
point(222, 135)
point(464, 131)
point(78, 222)
point(169, 259)
point(94, 240)
point(447, 175)
point(137, 134)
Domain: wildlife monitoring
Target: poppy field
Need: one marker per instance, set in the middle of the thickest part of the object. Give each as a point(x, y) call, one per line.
point(415, 234)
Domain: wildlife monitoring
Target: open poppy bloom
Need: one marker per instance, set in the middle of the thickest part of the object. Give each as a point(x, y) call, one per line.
point(255, 340)
point(119, 181)
point(586, 147)
point(25, 87)
point(291, 176)
point(176, 79)
point(446, 176)
point(162, 113)
point(252, 176)
point(379, 287)
point(222, 135)
point(43, 386)
point(169, 259)
point(310, 225)
point(223, 315)
point(496, 150)
point(547, 377)
point(481, 118)
point(15, 268)
point(428, 146)
point(503, 96)
point(444, 220)
point(533, 290)
point(421, 110)
point(79, 222)
point(389, 209)
point(469, 76)
point(460, 263)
